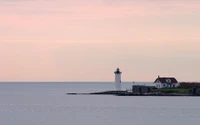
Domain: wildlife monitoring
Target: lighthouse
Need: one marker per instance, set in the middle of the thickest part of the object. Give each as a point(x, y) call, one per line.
point(118, 79)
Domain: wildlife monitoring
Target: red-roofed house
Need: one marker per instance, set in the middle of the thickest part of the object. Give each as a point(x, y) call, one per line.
point(166, 82)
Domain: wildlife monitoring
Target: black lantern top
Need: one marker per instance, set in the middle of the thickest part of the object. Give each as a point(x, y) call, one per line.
point(117, 71)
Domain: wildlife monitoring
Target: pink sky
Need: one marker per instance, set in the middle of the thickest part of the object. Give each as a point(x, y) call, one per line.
point(87, 40)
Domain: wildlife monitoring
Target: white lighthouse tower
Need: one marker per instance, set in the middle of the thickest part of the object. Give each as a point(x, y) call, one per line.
point(118, 79)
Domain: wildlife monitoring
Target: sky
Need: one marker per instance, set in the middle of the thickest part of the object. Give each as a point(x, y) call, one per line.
point(86, 40)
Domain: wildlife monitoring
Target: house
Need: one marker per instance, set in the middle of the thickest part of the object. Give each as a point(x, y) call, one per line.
point(166, 82)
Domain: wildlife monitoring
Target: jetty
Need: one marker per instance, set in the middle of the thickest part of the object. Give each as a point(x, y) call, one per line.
point(129, 93)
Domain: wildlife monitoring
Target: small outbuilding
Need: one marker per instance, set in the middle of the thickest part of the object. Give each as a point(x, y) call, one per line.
point(166, 82)
point(140, 89)
point(195, 91)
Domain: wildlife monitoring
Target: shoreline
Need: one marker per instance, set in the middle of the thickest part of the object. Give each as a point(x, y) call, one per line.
point(126, 93)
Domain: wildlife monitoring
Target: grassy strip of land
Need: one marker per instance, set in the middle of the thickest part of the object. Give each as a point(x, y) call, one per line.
point(172, 90)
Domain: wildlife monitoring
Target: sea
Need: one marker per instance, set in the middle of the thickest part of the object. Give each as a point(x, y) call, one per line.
point(46, 103)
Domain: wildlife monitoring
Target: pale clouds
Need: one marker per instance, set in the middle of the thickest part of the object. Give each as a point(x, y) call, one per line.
point(24, 61)
point(91, 20)
point(102, 9)
point(69, 11)
point(54, 39)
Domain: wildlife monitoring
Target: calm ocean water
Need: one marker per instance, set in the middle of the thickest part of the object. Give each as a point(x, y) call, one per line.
point(47, 104)
point(60, 87)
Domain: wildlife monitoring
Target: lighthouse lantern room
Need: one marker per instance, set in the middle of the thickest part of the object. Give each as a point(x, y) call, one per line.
point(118, 79)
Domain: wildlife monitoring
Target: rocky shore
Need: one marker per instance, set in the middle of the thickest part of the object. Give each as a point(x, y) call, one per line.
point(126, 93)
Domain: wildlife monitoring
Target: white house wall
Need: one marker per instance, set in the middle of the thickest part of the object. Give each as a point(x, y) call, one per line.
point(177, 85)
point(159, 85)
point(165, 85)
